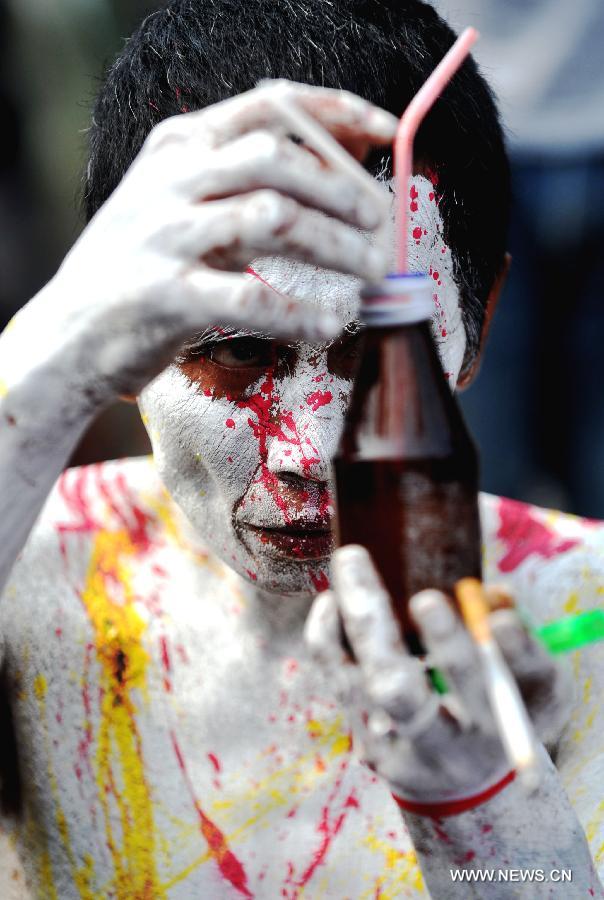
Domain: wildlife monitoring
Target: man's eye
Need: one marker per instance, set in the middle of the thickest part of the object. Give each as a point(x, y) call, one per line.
point(243, 353)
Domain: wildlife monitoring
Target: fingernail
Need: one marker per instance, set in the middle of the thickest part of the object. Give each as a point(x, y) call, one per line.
point(383, 123)
point(377, 263)
point(368, 215)
point(326, 325)
point(353, 567)
point(432, 612)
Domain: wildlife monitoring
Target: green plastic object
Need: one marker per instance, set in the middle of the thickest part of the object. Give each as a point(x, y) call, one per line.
point(438, 681)
point(573, 632)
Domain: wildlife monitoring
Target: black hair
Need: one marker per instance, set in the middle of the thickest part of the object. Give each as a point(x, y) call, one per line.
point(192, 53)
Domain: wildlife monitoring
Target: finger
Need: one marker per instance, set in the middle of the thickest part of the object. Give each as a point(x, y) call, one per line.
point(344, 115)
point(263, 160)
point(451, 649)
point(393, 680)
point(229, 234)
point(323, 631)
point(243, 301)
point(498, 596)
point(545, 683)
point(323, 636)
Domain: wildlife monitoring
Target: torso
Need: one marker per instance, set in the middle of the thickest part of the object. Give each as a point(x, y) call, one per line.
point(170, 743)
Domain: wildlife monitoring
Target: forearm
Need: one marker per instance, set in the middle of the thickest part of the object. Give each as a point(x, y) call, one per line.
point(45, 405)
point(511, 834)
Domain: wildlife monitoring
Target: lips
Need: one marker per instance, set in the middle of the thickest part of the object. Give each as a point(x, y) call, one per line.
point(300, 541)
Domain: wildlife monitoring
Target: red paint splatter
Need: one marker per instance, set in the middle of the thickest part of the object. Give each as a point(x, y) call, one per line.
point(318, 399)
point(230, 423)
point(486, 828)
point(351, 801)
point(435, 276)
point(328, 831)
point(413, 206)
point(440, 832)
point(215, 762)
point(165, 655)
point(417, 233)
point(319, 580)
point(229, 866)
point(413, 192)
point(524, 535)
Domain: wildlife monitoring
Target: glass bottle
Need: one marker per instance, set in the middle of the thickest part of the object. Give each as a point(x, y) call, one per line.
point(406, 470)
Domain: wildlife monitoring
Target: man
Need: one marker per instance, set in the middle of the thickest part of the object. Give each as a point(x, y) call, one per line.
point(174, 738)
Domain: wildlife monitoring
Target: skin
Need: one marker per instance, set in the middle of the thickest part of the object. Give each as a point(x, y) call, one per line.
point(138, 625)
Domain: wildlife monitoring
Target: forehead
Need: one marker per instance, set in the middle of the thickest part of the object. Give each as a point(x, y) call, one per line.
point(319, 287)
point(340, 293)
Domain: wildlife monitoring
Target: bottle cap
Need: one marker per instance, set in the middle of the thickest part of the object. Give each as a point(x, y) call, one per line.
point(397, 300)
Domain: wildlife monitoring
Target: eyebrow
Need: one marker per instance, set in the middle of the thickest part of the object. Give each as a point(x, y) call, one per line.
point(217, 333)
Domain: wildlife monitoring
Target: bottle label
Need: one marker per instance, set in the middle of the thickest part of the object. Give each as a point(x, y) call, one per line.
point(440, 530)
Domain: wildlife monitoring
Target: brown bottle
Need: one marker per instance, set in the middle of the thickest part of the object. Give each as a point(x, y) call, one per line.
point(406, 469)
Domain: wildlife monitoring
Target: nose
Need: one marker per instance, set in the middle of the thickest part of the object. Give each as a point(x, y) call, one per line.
point(309, 428)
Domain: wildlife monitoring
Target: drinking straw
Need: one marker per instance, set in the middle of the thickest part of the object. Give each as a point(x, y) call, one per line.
point(407, 129)
point(511, 717)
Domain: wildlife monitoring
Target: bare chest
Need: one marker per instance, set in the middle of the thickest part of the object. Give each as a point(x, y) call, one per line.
point(168, 749)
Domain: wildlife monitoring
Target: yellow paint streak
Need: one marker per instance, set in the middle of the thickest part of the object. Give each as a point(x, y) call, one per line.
point(46, 878)
point(572, 604)
point(400, 868)
point(594, 824)
point(120, 772)
point(586, 690)
point(300, 774)
point(3, 388)
point(82, 876)
point(40, 687)
point(331, 734)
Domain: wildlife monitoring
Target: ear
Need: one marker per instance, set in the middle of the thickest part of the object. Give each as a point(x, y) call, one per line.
point(468, 376)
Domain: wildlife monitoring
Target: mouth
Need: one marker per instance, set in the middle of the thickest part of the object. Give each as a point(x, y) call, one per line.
point(302, 541)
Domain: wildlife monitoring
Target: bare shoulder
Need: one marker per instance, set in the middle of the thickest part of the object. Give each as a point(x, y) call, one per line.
point(122, 497)
point(552, 561)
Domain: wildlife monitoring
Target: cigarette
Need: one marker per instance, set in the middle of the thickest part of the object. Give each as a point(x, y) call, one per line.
point(513, 723)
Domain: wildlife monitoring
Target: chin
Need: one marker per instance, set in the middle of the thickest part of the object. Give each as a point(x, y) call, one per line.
point(274, 575)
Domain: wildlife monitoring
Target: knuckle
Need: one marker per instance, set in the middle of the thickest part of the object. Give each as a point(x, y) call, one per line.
point(271, 209)
point(168, 130)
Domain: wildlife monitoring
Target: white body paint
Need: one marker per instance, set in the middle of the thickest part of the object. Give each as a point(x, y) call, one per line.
point(115, 739)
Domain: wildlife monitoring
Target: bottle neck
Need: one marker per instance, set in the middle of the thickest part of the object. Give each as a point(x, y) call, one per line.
point(397, 300)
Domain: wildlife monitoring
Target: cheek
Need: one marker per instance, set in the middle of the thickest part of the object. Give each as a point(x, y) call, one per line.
point(195, 437)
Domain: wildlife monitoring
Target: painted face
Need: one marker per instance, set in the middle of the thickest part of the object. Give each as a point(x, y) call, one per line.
point(244, 427)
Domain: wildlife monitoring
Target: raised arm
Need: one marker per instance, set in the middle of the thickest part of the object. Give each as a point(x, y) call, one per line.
point(164, 258)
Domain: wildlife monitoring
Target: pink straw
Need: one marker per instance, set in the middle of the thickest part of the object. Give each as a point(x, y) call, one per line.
point(407, 129)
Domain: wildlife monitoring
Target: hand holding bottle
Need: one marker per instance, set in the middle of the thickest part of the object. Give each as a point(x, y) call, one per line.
point(431, 748)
